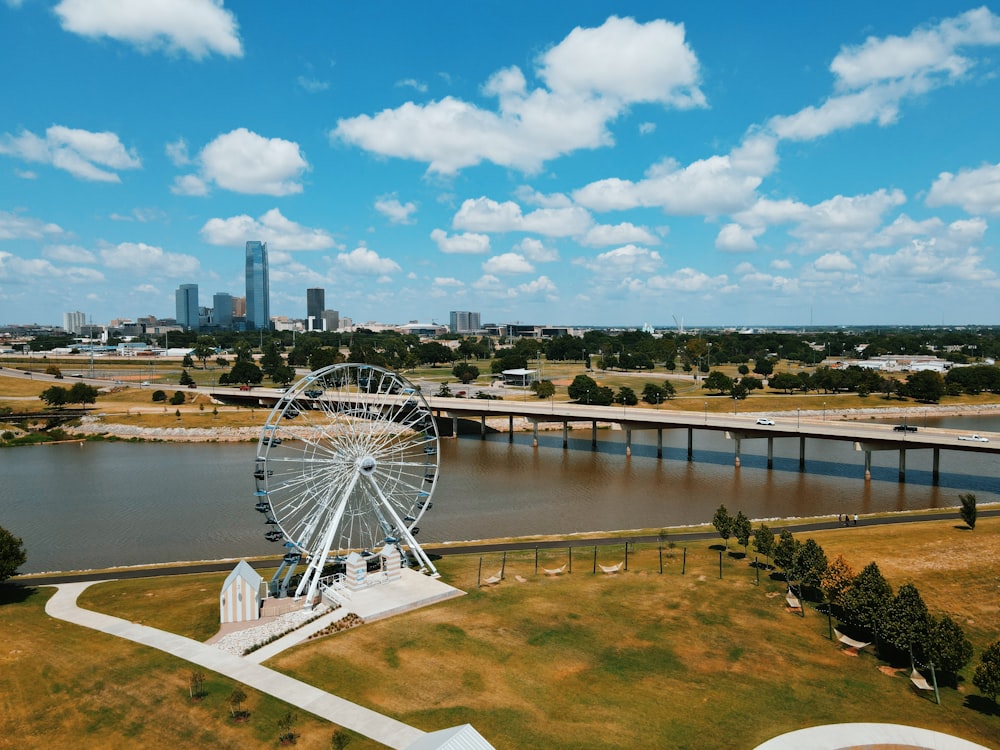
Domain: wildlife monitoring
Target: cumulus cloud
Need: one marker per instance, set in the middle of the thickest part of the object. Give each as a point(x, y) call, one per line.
point(487, 215)
point(508, 263)
point(195, 27)
point(245, 162)
point(363, 261)
point(628, 260)
point(688, 280)
point(535, 250)
point(396, 212)
point(413, 83)
point(733, 238)
point(140, 258)
point(603, 235)
point(468, 243)
point(925, 261)
point(177, 152)
point(14, 268)
point(873, 78)
point(588, 82)
point(712, 186)
point(975, 190)
point(645, 128)
point(84, 154)
point(14, 226)
point(68, 254)
point(271, 227)
point(834, 262)
point(311, 85)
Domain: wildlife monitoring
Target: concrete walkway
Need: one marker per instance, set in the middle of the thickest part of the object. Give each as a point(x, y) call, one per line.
point(349, 715)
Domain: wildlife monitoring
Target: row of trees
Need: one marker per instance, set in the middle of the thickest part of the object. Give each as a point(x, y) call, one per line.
point(899, 623)
point(78, 393)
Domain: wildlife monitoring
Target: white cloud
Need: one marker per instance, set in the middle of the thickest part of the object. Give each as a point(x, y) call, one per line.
point(975, 190)
point(508, 263)
point(414, 84)
point(189, 184)
point(540, 287)
point(148, 260)
point(467, 243)
point(177, 152)
point(688, 280)
point(834, 262)
point(927, 262)
point(197, 27)
point(873, 78)
point(272, 227)
point(645, 128)
point(603, 235)
point(487, 215)
point(398, 213)
point(448, 281)
point(781, 264)
point(366, 262)
point(312, 85)
point(245, 162)
point(712, 186)
point(734, 238)
point(17, 227)
point(535, 250)
point(68, 254)
point(590, 82)
point(629, 260)
point(527, 194)
point(84, 154)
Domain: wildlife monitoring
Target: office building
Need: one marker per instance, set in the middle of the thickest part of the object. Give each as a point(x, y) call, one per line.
point(331, 320)
point(187, 306)
point(222, 310)
point(258, 294)
point(73, 322)
point(463, 321)
point(315, 304)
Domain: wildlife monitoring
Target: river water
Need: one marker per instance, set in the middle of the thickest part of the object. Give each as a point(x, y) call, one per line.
point(108, 504)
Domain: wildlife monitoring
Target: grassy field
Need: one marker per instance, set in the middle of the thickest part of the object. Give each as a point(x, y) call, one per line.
point(579, 660)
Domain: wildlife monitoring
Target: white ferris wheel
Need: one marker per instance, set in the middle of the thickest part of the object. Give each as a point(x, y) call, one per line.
point(346, 462)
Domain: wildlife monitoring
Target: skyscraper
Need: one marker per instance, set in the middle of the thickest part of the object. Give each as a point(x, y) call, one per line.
point(258, 296)
point(222, 310)
point(463, 321)
point(187, 306)
point(315, 304)
point(73, 322)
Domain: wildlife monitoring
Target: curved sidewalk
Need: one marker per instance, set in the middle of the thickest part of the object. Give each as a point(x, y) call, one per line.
point(62, 605)
point(867, 736)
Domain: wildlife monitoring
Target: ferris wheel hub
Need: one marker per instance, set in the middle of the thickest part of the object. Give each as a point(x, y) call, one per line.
point(367, 464)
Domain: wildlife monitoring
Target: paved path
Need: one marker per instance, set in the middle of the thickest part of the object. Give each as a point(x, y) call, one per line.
point(358, 719)
point(867, 735)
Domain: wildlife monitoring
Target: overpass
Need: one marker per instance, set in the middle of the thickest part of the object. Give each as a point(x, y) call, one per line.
point(867, 437)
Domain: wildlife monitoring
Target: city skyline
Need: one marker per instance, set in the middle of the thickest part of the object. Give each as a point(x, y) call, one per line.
point(739, 167)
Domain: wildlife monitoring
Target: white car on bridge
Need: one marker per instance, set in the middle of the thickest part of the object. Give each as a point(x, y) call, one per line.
point(974, 438)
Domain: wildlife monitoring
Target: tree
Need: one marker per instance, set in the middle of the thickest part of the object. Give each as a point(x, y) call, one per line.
point(784, 381)
point(465, 372)
point(177, 399)
point(723, 523)
point(784, 551)
point(203, 349)
point(236, 699)
point(159, 396)
point(836, 580)
point(763, 542)
point(808, 564)
point(742, 530)
point(947, 648)
point(434, 353)
point(81, 393)
point(53, 371)
point(717, 381)
point(926, 386)
point(581, 386)
point(544, 388)
point(186, 378)
point(864, 604)
point(243, 372)
point(187, 361)
point(907, 620)
point(763, 366)
point(340, 740)
point(444, 391)
point(54, 396)
point(987, 674)
point(271, 358)
point(197, 687)
point(282, 375)
point(626, 396)
point(653, 393)
point(968, 509)
point(286, 736)
point(12, 554)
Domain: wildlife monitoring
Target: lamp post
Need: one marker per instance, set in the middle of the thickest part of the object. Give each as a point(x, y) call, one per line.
point(706, 412)
point(798, 419)
point(824, 411)
point(734, 404)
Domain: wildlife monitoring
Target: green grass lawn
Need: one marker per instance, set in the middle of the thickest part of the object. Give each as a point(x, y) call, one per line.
point(579, 660)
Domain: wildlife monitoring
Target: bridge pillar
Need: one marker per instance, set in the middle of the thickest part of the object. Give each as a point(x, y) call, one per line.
point(690, 444)
point(565, 435)
point(737, 441)
point(628, 441)
point(454, 427)
point(482, 427)
point(802, 454)
point(593, 435)
point(659, 443)
point(936, 470)
point(534, 438)
point(510, 428)
point(770, 453)
point(902, 464)
point(868, 466)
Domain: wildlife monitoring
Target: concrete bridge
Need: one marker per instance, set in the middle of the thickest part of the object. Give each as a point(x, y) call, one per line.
point(867, 437)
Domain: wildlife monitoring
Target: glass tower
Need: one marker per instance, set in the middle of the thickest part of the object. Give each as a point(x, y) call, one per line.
point(187, 306)
point(315, 305)
point(258, 298)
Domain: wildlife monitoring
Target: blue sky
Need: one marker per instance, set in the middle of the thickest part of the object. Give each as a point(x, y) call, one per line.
point(556, 163)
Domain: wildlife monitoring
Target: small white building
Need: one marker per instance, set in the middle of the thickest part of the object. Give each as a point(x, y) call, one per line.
point(241, 595)
point(519, 377)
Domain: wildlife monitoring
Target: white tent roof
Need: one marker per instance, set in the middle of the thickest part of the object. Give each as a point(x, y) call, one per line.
point(456, 738)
